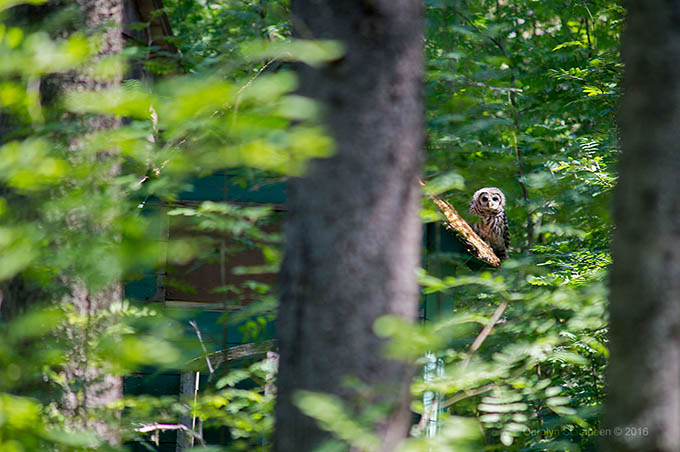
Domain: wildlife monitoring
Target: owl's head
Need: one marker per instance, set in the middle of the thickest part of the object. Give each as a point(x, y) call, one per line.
point(487, 201)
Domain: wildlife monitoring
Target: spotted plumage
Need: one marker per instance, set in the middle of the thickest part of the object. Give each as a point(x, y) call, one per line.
point(489, 205)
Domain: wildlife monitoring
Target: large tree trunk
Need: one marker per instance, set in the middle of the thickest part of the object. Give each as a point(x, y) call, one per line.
point(353, 234)
point(643, 406)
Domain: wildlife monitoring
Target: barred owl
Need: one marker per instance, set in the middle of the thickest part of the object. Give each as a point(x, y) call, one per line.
point(488, 203)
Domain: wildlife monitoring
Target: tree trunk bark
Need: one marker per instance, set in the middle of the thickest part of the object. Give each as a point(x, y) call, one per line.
point(643, 406)
point(89, 386)
point(353, 233)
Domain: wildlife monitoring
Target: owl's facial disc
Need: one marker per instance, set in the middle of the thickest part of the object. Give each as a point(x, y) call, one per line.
point(490, 202)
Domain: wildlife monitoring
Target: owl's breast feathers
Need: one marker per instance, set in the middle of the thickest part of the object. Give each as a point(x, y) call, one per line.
point(493, 229)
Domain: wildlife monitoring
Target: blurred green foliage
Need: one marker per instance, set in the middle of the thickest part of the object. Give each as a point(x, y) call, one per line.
point(519, 95)
point(89, 205)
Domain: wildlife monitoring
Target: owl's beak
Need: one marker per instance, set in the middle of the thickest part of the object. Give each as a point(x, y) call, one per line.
point(489, 206)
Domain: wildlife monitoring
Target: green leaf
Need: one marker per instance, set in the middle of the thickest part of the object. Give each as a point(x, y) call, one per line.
point(443, 183)
point(313, 53)
point(4, 4)
point(592, 91)
point(570, 44)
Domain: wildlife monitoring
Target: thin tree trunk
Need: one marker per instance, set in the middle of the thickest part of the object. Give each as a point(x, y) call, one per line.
point(643, 405)
point(89, 386)
point(353, 234)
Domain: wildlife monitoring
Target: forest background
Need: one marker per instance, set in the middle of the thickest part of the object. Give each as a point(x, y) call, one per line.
point(518, 95)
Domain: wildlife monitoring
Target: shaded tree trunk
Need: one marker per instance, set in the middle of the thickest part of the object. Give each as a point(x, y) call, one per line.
point(353, 234)
point(643, 406)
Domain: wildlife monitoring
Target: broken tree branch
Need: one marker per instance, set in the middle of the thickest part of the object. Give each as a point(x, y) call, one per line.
point(232, 353)
point(474, 244)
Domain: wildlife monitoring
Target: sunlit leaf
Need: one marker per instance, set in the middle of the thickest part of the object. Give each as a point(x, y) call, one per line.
point(311, 52)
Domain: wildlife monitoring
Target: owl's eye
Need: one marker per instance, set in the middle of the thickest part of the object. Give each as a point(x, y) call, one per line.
point(484, 198)
point(496, 198)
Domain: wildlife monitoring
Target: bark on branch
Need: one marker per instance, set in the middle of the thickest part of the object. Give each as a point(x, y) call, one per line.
point(232, 353)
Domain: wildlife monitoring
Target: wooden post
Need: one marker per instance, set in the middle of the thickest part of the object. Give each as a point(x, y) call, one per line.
point(188, 391)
